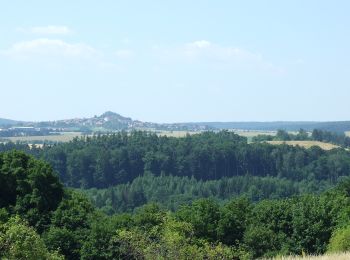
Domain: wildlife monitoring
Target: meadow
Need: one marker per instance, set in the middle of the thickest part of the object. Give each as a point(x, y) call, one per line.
point(306, 144)
point(64, 137)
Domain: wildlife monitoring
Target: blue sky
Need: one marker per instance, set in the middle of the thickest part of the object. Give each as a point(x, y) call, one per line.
point(175, 61)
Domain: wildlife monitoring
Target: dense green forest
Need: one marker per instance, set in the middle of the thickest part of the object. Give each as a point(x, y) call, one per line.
point(40, 219)
point(124, 171)
point(172, 191)
point(107, 160)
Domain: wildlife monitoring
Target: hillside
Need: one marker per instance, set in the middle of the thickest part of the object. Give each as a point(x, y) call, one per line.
point(108, 121)
point(7, 122)
point(111, 121)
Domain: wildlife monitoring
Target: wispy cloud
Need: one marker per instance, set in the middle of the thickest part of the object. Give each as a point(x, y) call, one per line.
point(47, 30)
point(206, 50)
point(49, 47)
point(208, 53)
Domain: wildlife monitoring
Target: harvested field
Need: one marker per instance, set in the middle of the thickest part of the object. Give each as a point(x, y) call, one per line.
point(306, 144)
point(64, 137)
point(338, 256)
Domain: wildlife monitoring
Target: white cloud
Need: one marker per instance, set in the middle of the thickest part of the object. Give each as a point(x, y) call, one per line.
point(206, 53)
point(49, 47)
point(210, 51)
point(199, 44)
point(47, 30)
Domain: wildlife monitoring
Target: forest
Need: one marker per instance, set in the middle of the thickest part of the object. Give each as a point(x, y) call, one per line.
point(142, 196)
point(123, 171)
point(41, 219)
point(102, 161)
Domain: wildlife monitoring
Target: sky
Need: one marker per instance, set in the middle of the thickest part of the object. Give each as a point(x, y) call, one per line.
point(175, 61)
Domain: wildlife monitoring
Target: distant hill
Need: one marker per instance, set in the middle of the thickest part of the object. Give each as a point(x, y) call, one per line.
point(7, 122)
point(110, 121)
point(107, 120)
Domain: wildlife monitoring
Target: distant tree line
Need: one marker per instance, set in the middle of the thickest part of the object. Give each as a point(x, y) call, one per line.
point(317, 135)
point(13, 132)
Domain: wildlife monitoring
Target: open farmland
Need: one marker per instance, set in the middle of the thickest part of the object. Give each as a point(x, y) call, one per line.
point(176, 133)
point(246, 133)
point(64, 137)
point(306, 144)
point(249, 134)
point(252, 133)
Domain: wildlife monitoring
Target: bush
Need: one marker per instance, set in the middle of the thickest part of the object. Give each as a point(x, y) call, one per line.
point(340, 240)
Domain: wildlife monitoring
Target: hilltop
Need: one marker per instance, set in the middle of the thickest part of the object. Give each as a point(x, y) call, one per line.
point(111, 121)
point(7, 122)
point(108, 121)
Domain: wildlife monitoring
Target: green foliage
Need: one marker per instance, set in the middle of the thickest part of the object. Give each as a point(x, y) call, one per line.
point(173, 241)
point(340, 240)
point(261, 241)
point(70, 225)
point(97, 243)
point(73, 212)
point(19, 241)
point(28, 187)
point(234, 221)
point(204, 215)
point(65, 222)
point(65, 241)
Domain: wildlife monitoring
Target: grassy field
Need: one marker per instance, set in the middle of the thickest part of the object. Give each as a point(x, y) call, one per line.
point(246, 133)
point(306, 144)
point(338, 256)
point(251, 133)
point(176, 133)
point(65, 137)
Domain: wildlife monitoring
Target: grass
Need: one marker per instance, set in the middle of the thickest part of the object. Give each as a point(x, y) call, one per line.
point(176, 133)
point(252, 133)
point(65, 137)
point(246, 133)
point(338, 256)
point(306, 144)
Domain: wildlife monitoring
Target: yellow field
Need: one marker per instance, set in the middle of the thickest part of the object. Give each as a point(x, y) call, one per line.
point(338, 256)
point(306, 144)
point(245, 133)
point(176, 133)
point(252, 133)
point(65, 137)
